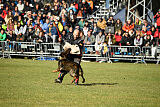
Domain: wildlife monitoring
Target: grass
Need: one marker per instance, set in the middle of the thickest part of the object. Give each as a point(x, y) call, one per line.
point(28, 83)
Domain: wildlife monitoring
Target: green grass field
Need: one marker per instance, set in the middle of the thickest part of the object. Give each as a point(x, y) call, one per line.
point(28, 83)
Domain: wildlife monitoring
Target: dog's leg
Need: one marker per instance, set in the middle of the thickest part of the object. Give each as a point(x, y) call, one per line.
point(81, 74)
point(74, 78)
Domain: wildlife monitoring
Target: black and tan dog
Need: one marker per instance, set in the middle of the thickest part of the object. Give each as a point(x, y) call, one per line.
point(69, 66)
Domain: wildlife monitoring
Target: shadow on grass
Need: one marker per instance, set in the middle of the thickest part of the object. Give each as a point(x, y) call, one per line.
point(94, 84)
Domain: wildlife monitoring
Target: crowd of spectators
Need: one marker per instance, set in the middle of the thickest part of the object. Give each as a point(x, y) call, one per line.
point(33, 21)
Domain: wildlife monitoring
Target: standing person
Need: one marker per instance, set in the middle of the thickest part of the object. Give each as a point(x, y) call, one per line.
point(73, 57)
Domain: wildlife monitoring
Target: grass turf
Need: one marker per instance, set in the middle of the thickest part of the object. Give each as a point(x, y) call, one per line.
point(30, 83)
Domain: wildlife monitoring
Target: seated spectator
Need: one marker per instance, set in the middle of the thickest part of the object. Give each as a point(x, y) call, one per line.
point(11, 36)
point(148, 40)
point(138, 24)
point(101, 24)
point(16, 11)
point(146, 24)
point(81, 23)
point(109, 39)
point(86, 8)
point(10, 26)
point(4, 26)
point(138, 41)
point(72, 7)
point(126, 40)
point(4, 11)
point(20, 31)
point(45, 26)
point(118, 37)
point(56, 3)
point(144, 31)
point(56, 11)
point(37, 29)
point(85, 30)
point(99, 42)
point(157, 34)
point(157, 16)
point(8, 17)
point(95, 29)
point(41, 38)
point(2, 35)
point(27, 7)
point(110, 21)
point(30, 35)
point(52, 31)
point(69, 35)
point(128, 26)
point(151, 31)
point(12, 6)
point(20, 6)
point(89, 39)
point(118, 25)
point(58, 25)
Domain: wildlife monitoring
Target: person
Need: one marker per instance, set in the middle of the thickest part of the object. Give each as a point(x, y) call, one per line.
point(99, 42)
point(128, 26)
point(157, 17)
point(73, 57)
point(89, 40)
point(2, 35)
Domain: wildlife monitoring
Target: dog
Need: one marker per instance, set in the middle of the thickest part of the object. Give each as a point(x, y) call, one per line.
point(69, 66)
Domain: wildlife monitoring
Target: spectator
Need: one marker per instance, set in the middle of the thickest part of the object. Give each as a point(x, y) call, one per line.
point(128, 26)
point(151, 31)
point(89, 39)
point(148, 40)
point(37, 29)
point(81, 23)
point(109, 39)
point(138, 41)
point(41, 38)
point(45, 26)
point(118, 37)
point(157, 17)
point(101, 24)
point(146, 24)
point(10, 26)
point(56, 11)
point(144, 31)
point(118, 25)
point(99, 42)
point(27, 7)
point(8, 17)
point(95, 29)
point(30, 35)
point(56, 3)
point(138, 24)
point(110, 21)
point(52, 32)
point(20, 31)
point(20, 6)
point(126, 40)
point(2, 35)
point(11, 36)
point(85, 30)
point(16, 11)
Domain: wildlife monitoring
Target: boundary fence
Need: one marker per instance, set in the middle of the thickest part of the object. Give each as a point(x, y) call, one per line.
point(114, 53)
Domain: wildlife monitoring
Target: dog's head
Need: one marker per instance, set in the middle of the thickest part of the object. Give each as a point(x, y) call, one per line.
point(65, 53)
